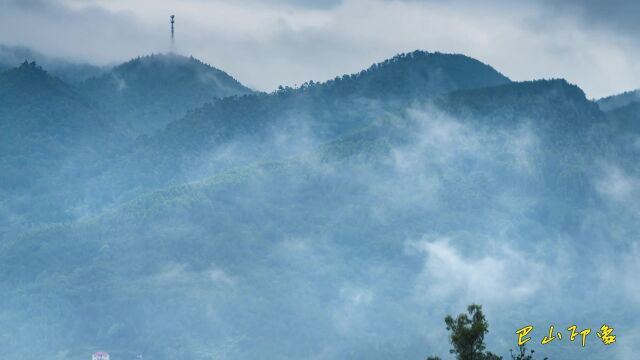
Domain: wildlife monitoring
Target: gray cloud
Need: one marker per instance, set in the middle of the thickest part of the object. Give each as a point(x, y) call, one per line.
point(616, 14)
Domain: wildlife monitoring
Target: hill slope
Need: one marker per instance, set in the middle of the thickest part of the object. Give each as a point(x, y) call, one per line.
point(332, 253)
point(43, 116)
point(617, 101)
point(214, 136)
point(146, 93)
point(49, 135)
point(72, 72)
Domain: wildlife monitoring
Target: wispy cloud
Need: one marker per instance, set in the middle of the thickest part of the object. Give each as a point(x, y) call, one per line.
point(500, 276)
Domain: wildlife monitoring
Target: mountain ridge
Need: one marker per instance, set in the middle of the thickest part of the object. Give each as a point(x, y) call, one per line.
point(147, 92)
point(29, 88)
point(614, 102)
point(315, 112)
point(70, 71)
point(328, 221)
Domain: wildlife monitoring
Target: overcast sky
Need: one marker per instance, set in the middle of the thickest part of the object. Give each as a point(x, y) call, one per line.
point(592, 43)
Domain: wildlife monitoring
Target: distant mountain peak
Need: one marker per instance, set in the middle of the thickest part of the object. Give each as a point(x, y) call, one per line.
point(618, 101)
point(416, 74)
point(432, 58)
point(69, 70)
point(30, 65)
point(33, 101)
point(30, 79)
point(162, 59)
point(180, 70)
point(147, 92)
point(29, 68)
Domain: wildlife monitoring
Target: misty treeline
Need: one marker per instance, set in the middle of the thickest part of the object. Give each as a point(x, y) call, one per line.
point(161, 208)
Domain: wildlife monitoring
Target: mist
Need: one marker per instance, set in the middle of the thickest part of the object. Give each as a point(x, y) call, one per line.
point(158, 206)
point(294, 239)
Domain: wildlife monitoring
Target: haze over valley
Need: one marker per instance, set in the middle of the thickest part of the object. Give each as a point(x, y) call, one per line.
point(161, 207)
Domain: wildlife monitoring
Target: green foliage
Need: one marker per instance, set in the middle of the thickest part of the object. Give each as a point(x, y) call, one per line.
point(259, 252)
point(467, 333)
point(45, 126)
point(323, 112)
point(144, 94)
point(614, 102)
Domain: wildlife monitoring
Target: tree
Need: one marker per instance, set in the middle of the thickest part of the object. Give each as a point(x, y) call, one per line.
point(522, 354)
point(467, 335)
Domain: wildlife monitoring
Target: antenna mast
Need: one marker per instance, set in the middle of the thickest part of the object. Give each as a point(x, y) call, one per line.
point(172, 33)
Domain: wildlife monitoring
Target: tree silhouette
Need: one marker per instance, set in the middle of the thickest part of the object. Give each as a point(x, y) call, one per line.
point(522, 354)
point(466, 335)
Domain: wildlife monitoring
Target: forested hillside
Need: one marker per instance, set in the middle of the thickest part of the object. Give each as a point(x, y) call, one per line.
point(146, 93)
point(70, 71)
point(336, 220)
point(47, 129)
point(620, 100)
point(259, 127)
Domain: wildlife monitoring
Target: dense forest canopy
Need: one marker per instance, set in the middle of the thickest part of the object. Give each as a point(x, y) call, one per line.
point(160, 207)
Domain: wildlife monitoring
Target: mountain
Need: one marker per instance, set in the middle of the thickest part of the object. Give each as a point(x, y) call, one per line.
point(209, 138)
point(318, 254)
point(146, 93)
point(342, 104)
point(624, 122)
point(418, 74)
point(70, 71)
point(623, 115)
point(339, 220)
point(68, 134)
point(617, 101)
point(46, 127)
point(42, 112)
point(626, 118)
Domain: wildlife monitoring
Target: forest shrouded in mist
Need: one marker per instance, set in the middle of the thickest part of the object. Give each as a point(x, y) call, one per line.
point(160, 207)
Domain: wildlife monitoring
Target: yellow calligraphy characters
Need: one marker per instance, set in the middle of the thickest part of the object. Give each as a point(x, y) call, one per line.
point(584, 334)
point(605, 334)
point(522, 333)
point(549, 338)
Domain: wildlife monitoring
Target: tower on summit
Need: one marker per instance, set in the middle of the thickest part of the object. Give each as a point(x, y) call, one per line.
point(172, 33)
